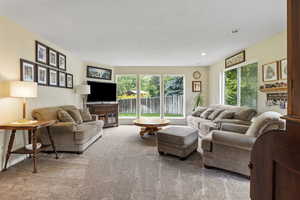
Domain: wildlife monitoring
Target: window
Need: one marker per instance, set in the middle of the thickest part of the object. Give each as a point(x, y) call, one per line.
point(241, 86)
point(127, 95)
point(173, 96)
point(150, 96)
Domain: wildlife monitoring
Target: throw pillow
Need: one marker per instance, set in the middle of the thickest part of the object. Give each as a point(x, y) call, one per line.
point(75, 114)
point(206, 113)
point(215, 114)
point(86, 115)
point(245, 114)
point(227, 114)
point(64, 116)
point(198, 111)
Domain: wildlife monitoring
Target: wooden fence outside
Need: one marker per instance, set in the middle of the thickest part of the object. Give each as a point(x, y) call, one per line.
point(173, 105)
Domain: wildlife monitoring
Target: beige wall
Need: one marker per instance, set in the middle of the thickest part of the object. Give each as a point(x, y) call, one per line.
point(17, 43)
point(186, 71)
point(272, 49)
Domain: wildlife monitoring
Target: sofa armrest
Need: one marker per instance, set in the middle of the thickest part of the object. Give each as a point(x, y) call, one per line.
point(94, 117)
point(238, 128)
point(62, 127)
point(232, 139)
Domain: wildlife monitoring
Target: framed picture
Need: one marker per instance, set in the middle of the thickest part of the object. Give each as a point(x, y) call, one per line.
point(62, 61)
point(98, 73)
point(235, 59)
point(28, 70)
point(42, 75)
point(41, 53)
point(196, 86)
point(53, 58)
point(70, 81)
point(62, 79)
point(283, 69)
point(270, 72)
point(53, 77)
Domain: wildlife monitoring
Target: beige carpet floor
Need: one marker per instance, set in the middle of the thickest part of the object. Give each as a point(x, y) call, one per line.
point(120, 166)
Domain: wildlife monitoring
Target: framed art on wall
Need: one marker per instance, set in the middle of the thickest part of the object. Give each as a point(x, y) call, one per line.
point(62, 61)
point(62, 79)
point(70, 81)
point(270, 72)
point(28, 70)
point(53, 77)
point(42, 75)
point(235, 59)
point(53, 58)
point(98, 73)
point(41, 53)
point(196, 86)
point(283, 69)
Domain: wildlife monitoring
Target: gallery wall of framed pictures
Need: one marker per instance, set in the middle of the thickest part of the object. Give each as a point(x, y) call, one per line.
point(275, 71)
point(50, 68)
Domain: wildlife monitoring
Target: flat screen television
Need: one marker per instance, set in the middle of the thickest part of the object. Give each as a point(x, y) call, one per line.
point(102, 92)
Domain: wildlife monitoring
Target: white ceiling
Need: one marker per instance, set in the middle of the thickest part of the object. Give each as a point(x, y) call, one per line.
point(150, 32)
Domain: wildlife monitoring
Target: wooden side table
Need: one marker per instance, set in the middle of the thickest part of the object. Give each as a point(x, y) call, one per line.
point(32, 138)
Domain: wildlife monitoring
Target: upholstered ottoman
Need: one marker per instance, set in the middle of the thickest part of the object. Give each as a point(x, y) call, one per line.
point(178, 141)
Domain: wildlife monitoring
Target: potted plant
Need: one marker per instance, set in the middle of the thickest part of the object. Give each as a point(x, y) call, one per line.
point(198, 101)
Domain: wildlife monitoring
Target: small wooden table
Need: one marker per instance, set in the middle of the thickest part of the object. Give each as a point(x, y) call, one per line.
point(32, 139)
point(150, 126)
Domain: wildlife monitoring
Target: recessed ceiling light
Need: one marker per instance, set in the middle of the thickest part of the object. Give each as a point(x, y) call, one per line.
point(234, 31)
point(203, 54)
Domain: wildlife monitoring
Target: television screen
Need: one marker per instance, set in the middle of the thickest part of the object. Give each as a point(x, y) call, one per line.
point(102, 92)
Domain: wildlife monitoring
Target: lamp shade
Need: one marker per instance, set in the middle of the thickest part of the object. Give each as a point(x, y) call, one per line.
point(23, 89)
point(83, 89)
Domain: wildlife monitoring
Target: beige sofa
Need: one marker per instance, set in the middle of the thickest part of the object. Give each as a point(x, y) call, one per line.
point(230, 147)
point(69, 136)
point(205, 124)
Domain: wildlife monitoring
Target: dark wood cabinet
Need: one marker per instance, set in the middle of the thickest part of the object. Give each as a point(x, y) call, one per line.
point(106, 112)
point(275, 158)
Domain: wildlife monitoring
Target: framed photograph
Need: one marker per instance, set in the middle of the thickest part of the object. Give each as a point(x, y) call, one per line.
point(42, 75)
point(53, 58)
point(99, 73)
point(28, 71)
point(196, 86)
point(62, 79)
point(270, 72)
point(235, 59)
point(41, 53)
point(53, 77)
point(283, 69)
point(62, 61)
point(70, 81)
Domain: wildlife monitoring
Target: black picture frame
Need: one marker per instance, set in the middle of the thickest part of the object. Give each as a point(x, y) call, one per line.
point(39, 45)
point(236, 59)
point(52, 51)
point(50, 76)
point(62, 59)
point(38, 68)
point(196, 86)
point(30, 77)
point(91, 73)
point(62, 83)
point(69, 76)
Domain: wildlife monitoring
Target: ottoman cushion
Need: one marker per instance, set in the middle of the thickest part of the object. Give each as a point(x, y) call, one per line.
point(178, 135)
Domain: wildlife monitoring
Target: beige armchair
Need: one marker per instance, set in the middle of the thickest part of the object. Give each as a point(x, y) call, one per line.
point(230, 147)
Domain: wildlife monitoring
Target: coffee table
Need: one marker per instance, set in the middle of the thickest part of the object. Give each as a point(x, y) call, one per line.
point(150, 125)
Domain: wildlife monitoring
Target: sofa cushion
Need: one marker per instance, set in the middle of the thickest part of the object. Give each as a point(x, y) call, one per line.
point(48, 113)
point(227, 114)
point(198, 111)
point(215, 114)
point(263, 120)
point(245, 114)
point(206, 113)
point(86, 115)
point(64, 116)
point(75, 113)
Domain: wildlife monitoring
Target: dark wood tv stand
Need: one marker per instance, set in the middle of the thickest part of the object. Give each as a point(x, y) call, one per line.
point(107, 112)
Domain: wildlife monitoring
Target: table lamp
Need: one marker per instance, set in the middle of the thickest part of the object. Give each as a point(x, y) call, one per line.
point(23, 89)
point(83, 90)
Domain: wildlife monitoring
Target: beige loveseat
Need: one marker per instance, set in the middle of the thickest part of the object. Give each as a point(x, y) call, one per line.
point(230, 147)
point(69, 136)
point(235, 116)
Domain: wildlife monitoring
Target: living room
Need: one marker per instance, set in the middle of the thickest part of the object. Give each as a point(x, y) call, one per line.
point(160, 100)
